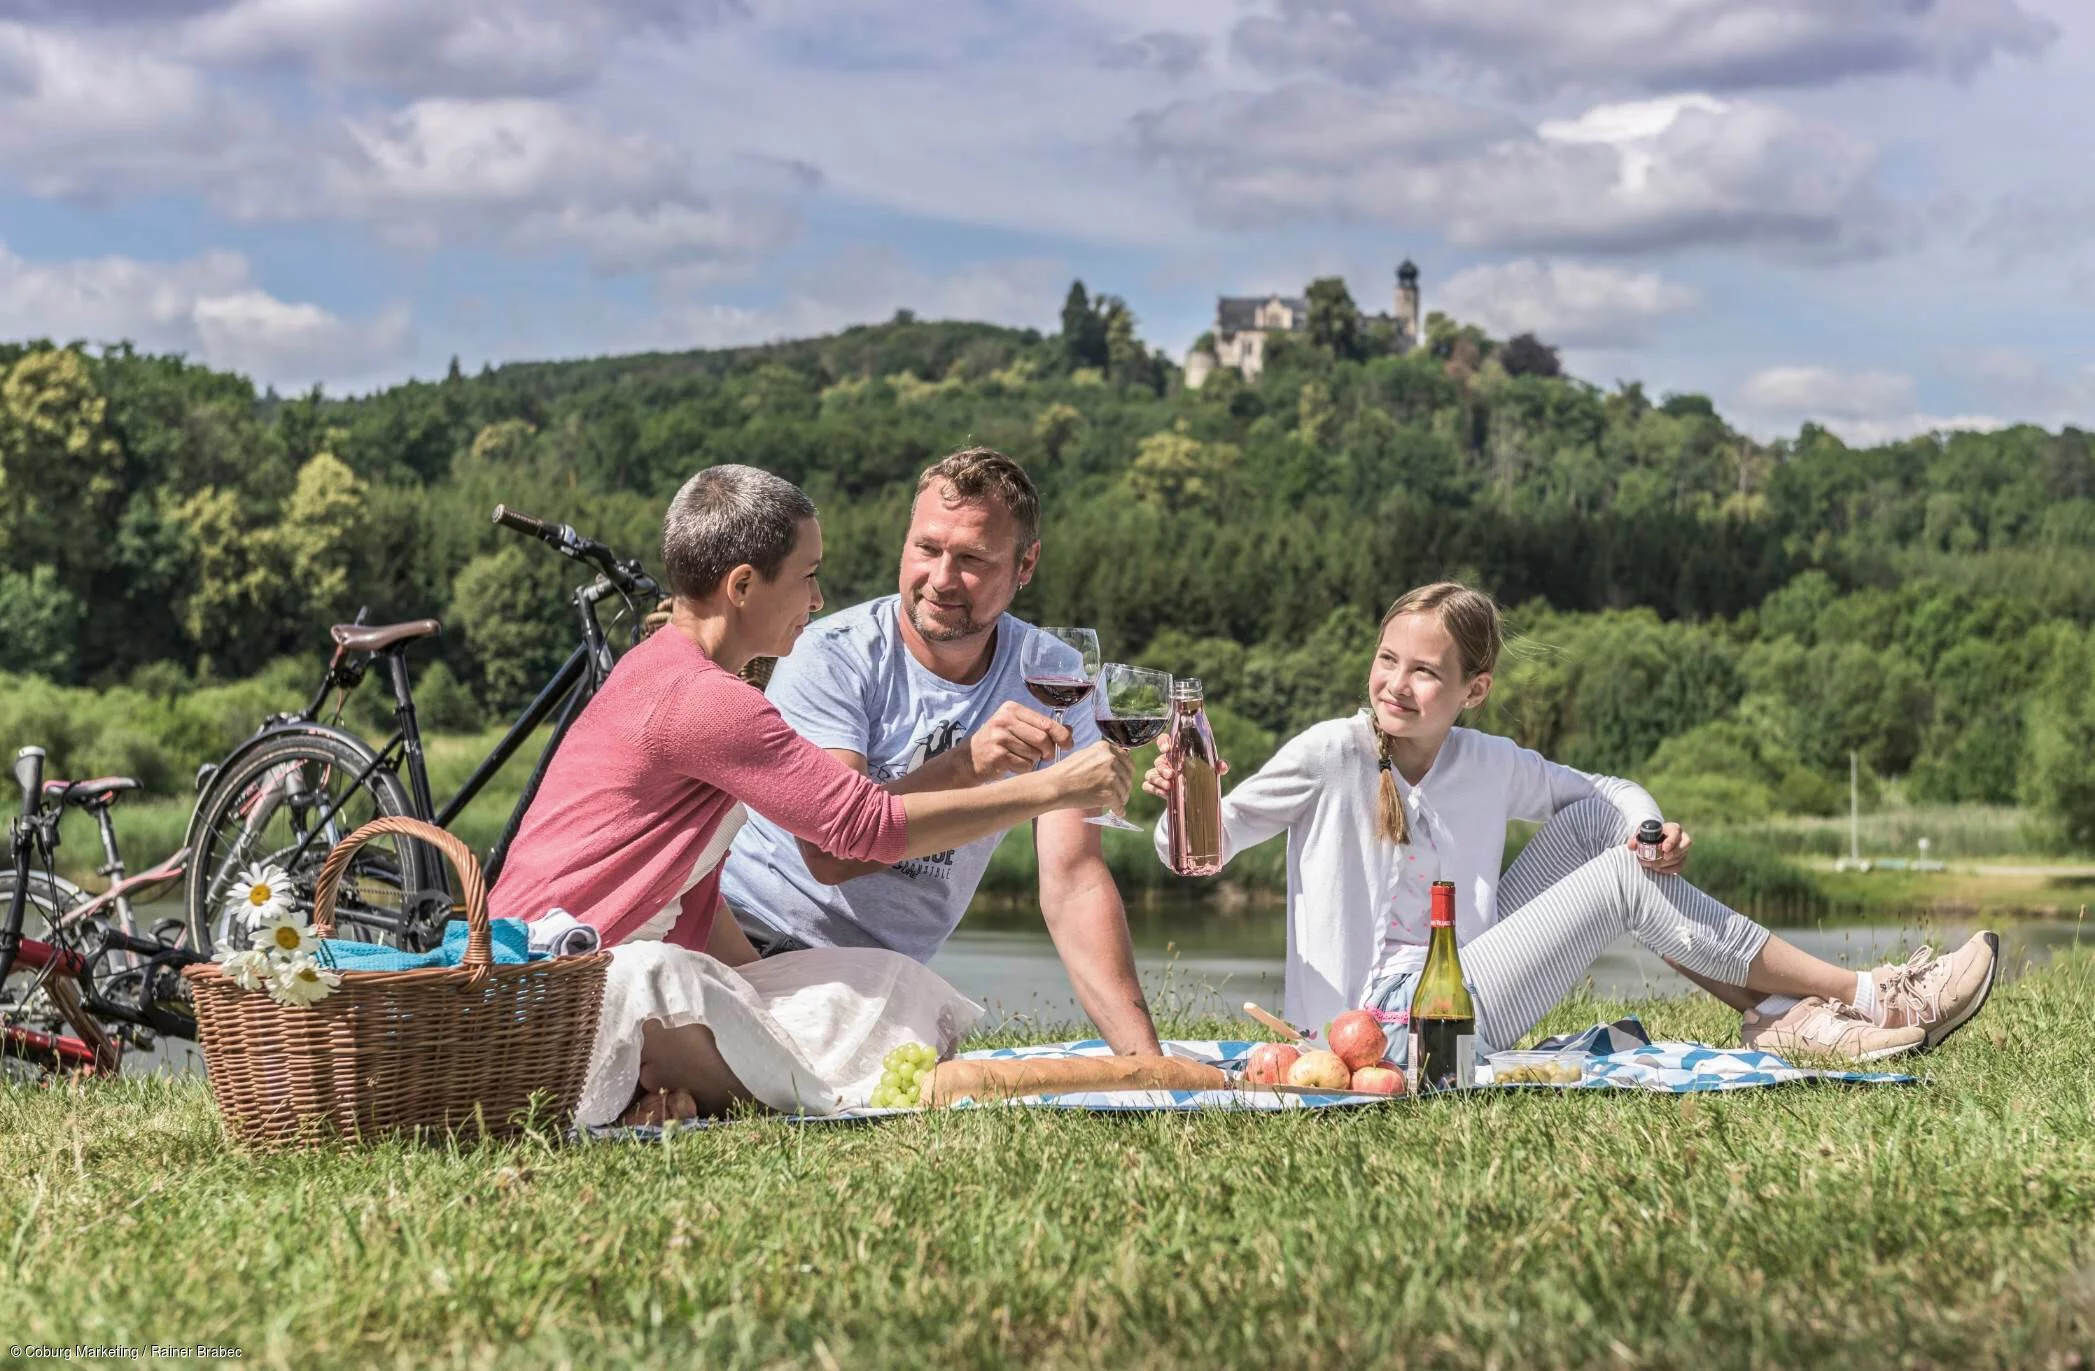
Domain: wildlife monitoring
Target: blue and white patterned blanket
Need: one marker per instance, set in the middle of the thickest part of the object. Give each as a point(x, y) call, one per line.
point(1622, 1057)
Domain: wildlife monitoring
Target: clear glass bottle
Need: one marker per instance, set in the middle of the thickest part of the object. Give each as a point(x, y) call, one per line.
point(1193, 811)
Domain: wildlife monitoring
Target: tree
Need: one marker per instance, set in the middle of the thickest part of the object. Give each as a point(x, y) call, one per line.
point(1083, 330)
point(1128, 362)
point(510, 608)
point(2057, 781)
point(1314, 413)
point(1055, 426)
point(1175, 471)
point(40, 624)
point(1527, 355)
point(1441, 333)
point(234, 612)
point(1334, 320)
point(322, 529)
point(61, 473)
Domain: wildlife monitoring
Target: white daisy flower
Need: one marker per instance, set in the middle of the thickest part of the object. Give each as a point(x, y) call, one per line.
point(285, 937)
point(262, 893)
point(246, 967)
point(301, 980)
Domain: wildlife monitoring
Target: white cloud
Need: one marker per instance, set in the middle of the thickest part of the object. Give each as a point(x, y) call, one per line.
point(89, 116)
point(1687, 171)
point(404, 47)
point(1652, 45)
point(83, 117)
point(1569, 304)
point(2032, 389)
point(207, 306)
point(1862, 407)
point(1173, 54)
point(534, 174)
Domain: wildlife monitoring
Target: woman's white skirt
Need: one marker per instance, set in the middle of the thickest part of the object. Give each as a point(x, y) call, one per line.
point(804, 1031)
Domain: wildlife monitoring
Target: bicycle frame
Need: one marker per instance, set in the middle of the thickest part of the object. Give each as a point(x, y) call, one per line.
point(119, 895)
point(63, 974)
point(571, 687)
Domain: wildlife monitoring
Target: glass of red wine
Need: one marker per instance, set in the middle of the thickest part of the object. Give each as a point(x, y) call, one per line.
point(1133, 706)
point(1060, 666)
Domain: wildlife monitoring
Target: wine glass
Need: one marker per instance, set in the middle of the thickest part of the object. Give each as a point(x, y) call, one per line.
point(1059, 665)
point(1132, 707)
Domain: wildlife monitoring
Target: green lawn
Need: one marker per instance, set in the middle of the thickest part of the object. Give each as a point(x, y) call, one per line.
point(1944, 1226)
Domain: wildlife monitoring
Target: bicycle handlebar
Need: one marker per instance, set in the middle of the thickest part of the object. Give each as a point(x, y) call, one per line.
point(524, 523)
point(29, 774)
point(626, 575)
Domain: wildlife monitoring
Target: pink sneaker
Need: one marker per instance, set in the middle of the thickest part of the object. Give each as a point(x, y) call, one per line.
point(1826, 1028)
point(1938, 994)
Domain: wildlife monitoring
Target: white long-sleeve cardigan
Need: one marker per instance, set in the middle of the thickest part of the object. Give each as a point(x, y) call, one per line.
point(1321, 788)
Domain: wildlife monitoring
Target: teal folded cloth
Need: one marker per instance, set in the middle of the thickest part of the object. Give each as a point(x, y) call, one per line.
point(512, 943)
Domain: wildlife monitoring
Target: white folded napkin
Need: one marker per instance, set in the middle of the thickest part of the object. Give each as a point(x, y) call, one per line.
point(558, 933)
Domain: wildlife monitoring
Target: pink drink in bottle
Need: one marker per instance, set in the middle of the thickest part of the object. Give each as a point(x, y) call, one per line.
point(1193, 811)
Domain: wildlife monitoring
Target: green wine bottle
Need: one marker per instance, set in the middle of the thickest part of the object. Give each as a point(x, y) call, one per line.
point(1443, 1017)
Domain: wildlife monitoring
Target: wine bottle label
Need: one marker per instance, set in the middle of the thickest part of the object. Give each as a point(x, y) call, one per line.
point(1465, 1061)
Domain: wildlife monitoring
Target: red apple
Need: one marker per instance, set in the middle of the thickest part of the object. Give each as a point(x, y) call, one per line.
point(1269, 1064)
point(1383, 1078)
point(1357, 1037)
point(1320, 1070)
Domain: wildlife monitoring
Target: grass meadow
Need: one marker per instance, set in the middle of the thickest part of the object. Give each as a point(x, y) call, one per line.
point(1946, 1225)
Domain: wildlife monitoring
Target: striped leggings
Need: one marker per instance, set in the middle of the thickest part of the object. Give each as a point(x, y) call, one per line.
point(1574, 889)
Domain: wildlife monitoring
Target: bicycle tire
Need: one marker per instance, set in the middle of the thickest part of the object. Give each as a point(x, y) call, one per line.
point(46, 899)
point(48, 896)
point(268, 779)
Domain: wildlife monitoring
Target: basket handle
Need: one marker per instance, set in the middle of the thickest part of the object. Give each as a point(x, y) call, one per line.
point(480, 948)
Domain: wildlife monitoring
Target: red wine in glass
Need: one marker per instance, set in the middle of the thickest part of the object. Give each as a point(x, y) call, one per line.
point(1059, 692)
point(1132, 709)
point(1131, 733)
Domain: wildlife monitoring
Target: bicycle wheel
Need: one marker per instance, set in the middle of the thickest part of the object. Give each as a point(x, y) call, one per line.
point(38, 1039)
point(288, 803)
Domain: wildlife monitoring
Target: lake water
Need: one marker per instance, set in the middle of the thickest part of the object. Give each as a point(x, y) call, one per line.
point(1200, 959)
point(1205, 960)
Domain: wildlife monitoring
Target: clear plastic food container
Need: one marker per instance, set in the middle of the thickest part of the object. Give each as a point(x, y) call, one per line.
point(1533, 1068)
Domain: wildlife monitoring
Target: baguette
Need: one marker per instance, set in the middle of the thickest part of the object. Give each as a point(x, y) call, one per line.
point(993, 1079)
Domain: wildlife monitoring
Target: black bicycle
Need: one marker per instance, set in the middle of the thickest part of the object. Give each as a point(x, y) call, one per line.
point(287, 795)
point(80, 983)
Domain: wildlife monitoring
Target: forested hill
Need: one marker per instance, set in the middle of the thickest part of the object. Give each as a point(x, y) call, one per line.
point(1726, 617)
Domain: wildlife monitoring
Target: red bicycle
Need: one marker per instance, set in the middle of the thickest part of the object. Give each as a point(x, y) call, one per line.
point(79, 982)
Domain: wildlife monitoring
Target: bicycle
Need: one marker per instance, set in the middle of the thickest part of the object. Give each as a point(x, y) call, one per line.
point(86, 987)
point(297, 787)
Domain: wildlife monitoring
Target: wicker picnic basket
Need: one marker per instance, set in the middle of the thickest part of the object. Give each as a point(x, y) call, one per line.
point(480, 1047)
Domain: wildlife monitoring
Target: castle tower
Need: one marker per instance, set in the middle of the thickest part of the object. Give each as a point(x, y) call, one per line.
point(1409, 323)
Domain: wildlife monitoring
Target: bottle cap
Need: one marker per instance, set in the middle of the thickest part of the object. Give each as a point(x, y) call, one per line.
point(1651, 831)
point(1185, 688)
point(1443, 904)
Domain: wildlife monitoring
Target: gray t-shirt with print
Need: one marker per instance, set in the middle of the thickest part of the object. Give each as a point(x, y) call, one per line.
point(851, 684)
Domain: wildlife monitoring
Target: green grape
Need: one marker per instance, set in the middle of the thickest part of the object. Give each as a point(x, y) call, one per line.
point(902, 1076)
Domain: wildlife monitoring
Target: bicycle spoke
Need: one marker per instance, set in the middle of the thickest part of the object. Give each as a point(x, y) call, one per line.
point(292, 816)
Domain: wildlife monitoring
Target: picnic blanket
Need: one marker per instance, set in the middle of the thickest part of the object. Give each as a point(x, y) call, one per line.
point(1621, 1055)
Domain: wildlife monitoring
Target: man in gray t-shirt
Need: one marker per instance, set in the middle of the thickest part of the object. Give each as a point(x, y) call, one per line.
point(923, 691)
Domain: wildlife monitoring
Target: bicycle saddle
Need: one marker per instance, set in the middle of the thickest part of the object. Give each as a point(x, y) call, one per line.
point(378, 637)
point(100, 791)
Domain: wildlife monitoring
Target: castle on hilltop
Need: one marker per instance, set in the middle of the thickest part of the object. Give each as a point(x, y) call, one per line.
point(1242, 323)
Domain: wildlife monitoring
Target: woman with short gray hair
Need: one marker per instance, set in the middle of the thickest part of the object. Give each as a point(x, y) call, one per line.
point(657, 774)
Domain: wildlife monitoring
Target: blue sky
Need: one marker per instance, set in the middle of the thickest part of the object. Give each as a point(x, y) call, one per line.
point(1869, 212)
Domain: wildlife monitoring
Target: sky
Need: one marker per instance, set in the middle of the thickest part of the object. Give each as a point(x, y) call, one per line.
point(1868, 213)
